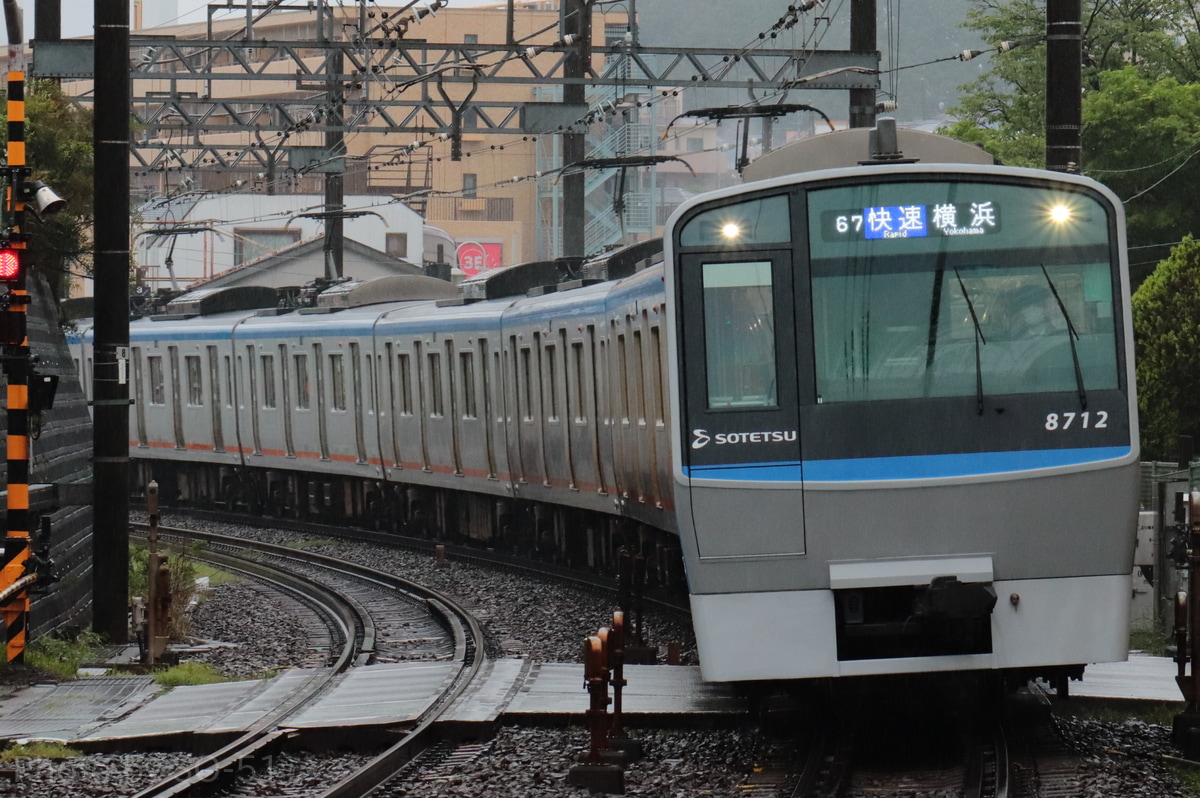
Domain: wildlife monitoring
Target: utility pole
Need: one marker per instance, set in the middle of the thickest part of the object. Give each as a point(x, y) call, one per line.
point(334, 149)
point(576, 21)
point(47, 20)
point(1064, 84)
point(862, 40)
point(110, 386)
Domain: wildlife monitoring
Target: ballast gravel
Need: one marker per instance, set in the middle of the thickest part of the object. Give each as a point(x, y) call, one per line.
point(248, 631)
point(90, 776)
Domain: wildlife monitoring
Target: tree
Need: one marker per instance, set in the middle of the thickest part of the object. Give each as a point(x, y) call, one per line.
point(1141, 138)
point(1005, 108)
point(1166, 330)
point(58, 143)
point(1140, 111)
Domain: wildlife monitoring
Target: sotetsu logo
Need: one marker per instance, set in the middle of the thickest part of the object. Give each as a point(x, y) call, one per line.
point(701, 438)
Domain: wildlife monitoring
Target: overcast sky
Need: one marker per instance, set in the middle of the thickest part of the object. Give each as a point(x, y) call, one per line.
point(77, 14)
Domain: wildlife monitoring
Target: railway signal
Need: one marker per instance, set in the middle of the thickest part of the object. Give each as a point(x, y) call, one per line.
point(10, 264)
point(18, 568)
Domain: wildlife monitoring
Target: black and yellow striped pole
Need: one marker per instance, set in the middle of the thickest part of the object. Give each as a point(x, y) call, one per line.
point(14, 608)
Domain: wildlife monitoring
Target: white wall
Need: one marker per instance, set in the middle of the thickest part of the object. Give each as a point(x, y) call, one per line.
point(201, 255)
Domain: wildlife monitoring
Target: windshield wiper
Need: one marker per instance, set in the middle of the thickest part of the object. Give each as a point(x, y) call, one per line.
point(1072, 337)
point(978, 338)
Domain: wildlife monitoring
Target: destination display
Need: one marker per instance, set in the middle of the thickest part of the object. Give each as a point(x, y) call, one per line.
point(912, 221)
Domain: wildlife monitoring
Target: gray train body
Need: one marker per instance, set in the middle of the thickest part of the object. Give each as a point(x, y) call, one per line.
point(840, 508)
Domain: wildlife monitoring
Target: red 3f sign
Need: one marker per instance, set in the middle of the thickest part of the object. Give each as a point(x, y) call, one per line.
point(474, 257)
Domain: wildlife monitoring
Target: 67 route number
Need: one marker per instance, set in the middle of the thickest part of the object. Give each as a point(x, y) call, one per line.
point(1085, 420)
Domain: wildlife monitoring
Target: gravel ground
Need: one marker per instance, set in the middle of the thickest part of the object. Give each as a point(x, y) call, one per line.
point(544, 621)
point(297, 775)
point(1123, 759)
point(523, 618)
point(249, 631)
point(535, 763)
point(92, 776)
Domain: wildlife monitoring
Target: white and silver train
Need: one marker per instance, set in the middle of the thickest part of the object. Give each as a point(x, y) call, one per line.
point(884, 416)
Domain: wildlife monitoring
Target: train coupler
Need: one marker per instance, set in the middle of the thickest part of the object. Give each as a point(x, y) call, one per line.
point(949, 598)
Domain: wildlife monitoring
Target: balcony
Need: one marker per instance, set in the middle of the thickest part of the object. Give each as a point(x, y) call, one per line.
point(469, 209)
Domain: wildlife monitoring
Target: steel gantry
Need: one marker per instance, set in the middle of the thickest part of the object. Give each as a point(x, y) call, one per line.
point(236, 99)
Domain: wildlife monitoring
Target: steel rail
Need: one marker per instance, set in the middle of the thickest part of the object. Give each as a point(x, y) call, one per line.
point(469, 650)
point(466, 554)
point(262, 738)
point(987, 769)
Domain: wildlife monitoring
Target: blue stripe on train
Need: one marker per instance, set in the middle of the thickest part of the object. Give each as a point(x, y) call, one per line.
point(867, 469)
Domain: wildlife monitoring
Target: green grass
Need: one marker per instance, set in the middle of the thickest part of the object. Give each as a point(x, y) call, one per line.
point(1189, 780)
point(1151, 642)
point(42, 750)
point(189, 673)
point(215, 575)
point(62, 656)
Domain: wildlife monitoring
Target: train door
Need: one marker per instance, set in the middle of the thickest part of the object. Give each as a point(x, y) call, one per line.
point(740, 443)
point(176, 398)
point(322, 403)
point(454, 417)
point(514, 409)
point(552, 429)
point(358, 405)
point(570, 405)
point(139, 402)
point(289, 441)
point(214, 381)
point(252, 401)
point(421, 404)
point(487, 392)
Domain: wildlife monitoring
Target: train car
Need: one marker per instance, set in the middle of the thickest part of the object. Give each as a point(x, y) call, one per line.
point(882, 417)
point(904, 432)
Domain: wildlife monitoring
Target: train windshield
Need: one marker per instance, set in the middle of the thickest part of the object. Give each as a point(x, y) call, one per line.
point(934, 289)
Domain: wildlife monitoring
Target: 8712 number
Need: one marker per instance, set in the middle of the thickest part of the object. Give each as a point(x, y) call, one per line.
point(1056, 422)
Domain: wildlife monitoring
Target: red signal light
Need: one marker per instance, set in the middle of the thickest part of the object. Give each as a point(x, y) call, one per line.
point(10, 265)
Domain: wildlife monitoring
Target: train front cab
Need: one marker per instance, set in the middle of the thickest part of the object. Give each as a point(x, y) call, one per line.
point(875, 471)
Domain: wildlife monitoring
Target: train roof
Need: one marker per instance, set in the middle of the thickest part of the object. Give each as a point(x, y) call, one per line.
point(844, 148)
point(894, 170)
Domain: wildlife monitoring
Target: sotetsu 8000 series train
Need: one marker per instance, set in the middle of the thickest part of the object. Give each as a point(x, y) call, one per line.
point(883, 415)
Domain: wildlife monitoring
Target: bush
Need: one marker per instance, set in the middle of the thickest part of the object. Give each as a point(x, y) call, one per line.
point(183, 585)
point(62, 655)
point(188, 673)
point(38, 750)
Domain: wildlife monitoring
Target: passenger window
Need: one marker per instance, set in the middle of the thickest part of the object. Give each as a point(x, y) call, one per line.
point(268, 382)
point(157, 395)
point(405, 375)
point(759, 221)
point(526, 378)
point(214, 376)
point(369, 378)
point(195, 381)
point(467, 362)
point(739, 335)
point(435, 385)
point(580, 381)
point(636, 389)
point(303, 402)
point(552, 383)
point(337, 382)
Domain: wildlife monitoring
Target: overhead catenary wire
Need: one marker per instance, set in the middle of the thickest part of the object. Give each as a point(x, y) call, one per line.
point(355, 164)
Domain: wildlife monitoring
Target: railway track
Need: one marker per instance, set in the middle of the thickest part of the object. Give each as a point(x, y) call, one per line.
point(379, 616)
point(661, 601)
